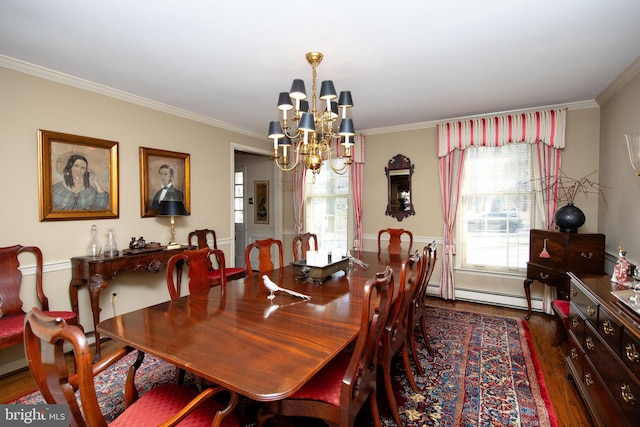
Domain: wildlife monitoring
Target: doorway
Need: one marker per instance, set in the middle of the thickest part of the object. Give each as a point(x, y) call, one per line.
point(251, 165)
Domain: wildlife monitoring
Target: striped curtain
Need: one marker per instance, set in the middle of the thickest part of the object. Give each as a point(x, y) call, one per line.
point(545, 130)
point(299, 187)
point(356, 189)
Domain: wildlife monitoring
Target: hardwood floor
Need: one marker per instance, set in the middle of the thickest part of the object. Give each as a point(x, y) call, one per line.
point(568, 405)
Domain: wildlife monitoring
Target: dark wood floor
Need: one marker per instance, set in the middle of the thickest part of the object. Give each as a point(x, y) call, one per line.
point(568, 405)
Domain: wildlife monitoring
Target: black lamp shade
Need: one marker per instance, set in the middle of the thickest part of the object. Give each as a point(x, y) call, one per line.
point(172, 208)
point(345, 99)
point(346, 128)
point(275, 130)
point(307, 123)
point(284, 102)
point(304, 106)
point(327, 91)
point(284, 142)
point(297, 89)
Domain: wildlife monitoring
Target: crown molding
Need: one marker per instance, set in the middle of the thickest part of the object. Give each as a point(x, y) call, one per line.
point(579, 105)
point(624, 78)
point(66, 79)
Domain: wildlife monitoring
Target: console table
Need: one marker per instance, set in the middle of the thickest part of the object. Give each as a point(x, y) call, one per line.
point(97, 272)
point(553, 253)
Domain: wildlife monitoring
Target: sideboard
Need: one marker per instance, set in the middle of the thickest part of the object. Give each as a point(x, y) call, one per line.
point(553, 253)
point(604, 351)
point(96, 272)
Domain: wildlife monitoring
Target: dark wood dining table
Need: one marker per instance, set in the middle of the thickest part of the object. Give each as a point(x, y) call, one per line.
point(234, 336)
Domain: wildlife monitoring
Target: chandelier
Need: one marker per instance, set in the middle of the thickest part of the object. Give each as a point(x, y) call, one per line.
point(314, 129)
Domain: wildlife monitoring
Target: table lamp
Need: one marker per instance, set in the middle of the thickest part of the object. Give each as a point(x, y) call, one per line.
point(172, 208)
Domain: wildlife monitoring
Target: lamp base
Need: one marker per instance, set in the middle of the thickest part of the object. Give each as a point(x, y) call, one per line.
point(173, 245)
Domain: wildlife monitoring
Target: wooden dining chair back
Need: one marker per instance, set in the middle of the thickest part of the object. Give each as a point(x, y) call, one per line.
point(396, 333)
point(417, 315)
point(200, 239)
point(340, 389)
point(265, 261)
point(11, 282)
point(302, 243)
point(198, 262)
point(395, 240)
point(44, 338)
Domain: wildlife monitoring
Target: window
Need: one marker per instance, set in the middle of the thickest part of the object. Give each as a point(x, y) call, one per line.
point(238, 197)
point(327, 207)
point(496, 209)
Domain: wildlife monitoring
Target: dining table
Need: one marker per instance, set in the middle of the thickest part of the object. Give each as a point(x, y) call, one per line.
point(235, 336)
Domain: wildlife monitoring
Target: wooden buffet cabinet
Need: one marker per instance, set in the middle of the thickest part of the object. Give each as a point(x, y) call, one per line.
point(604, 351)
point(553, 253)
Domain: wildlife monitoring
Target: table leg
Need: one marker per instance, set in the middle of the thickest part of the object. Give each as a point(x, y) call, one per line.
point(96, 284)
point(74, 285)
point(527, 292)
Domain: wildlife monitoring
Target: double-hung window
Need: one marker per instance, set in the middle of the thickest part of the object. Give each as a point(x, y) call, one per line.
point(496, 209)
point(327, 207)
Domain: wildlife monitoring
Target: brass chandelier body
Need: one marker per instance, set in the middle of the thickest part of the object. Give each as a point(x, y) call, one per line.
point(314, 128)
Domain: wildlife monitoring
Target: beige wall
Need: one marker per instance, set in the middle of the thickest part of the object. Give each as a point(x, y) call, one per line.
point(620, 114)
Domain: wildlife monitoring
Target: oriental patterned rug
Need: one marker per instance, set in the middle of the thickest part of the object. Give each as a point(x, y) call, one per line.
point(483, 373)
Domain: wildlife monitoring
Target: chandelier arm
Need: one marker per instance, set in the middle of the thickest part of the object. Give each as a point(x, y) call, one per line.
point(296, 155)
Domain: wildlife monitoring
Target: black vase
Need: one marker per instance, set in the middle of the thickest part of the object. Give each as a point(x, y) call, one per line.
point(569, 218)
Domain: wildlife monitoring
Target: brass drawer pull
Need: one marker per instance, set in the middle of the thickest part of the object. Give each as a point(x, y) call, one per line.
point(574, 293)
point(632, 353)
point(607, 327)
point(588, 380)
point(574, 323)
point(586, 255)
point(588, 341)
point(591, 311)
point(544, 276)
point(626, 394)
point(574, 353)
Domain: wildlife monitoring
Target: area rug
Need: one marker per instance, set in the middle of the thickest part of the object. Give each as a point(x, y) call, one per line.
point(483, 373)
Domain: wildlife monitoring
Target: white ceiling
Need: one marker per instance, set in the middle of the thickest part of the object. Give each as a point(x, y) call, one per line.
point(405, 61)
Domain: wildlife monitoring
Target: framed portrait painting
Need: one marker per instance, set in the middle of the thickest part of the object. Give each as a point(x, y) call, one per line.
point(261, 196)
point(78, 177)
point(164, 175)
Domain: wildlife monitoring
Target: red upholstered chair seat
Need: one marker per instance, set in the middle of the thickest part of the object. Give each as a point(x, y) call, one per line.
point(161, 403)
point(325, 385)
point(14, 325)
point(561, 311)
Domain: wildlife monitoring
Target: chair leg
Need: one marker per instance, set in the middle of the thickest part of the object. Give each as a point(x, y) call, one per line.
point(386, 372)
point(407, 367)
point(425, 335)
point(375, 412)
point(414, 352)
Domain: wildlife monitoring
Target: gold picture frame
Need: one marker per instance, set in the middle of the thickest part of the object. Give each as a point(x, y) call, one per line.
point(158, 166)
point(261, 197)
point(77, 176)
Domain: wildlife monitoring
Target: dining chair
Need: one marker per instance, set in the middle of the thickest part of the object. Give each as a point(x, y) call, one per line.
point(11, 285)
point(198, 261)
point(395, 240)
point(265, 263)
point(166, 405)
point(396, 332)
point(340, 389)
point(417, 314)
point(302, 243)
point(201, 239)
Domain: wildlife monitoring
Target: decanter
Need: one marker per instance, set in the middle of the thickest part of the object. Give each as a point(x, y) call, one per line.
point(94, 247)
point(111, 247)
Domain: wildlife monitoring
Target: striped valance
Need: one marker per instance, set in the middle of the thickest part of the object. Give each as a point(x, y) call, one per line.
point(539, 126)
